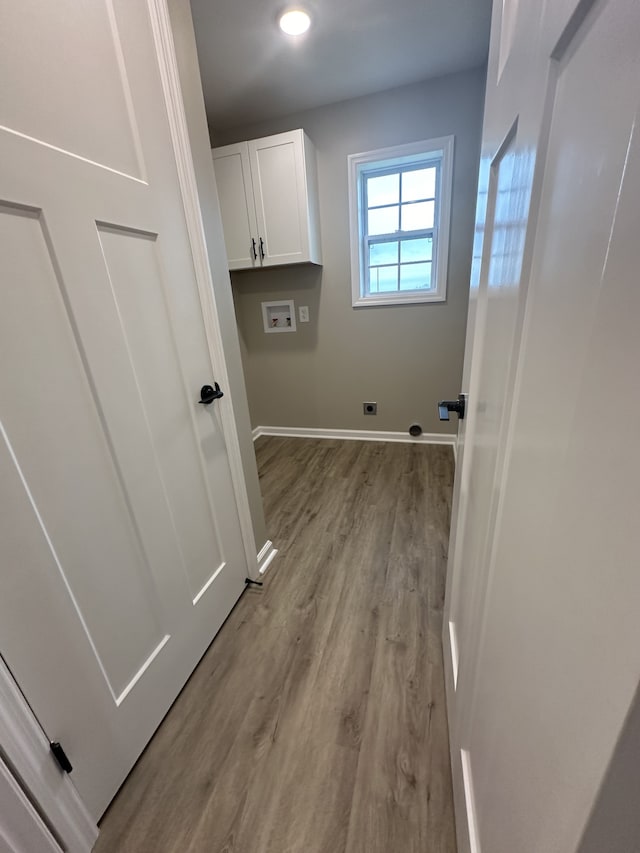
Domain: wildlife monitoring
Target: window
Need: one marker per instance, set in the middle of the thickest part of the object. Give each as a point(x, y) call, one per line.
point(400, 200)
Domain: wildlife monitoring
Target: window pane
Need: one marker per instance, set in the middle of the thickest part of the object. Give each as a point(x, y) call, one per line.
point(383, 190)
point(383, 221)
point(419, 184)
point(416, 250)
point(383, 279)
point(417, 216)
point(415, 277)
point(384, 253)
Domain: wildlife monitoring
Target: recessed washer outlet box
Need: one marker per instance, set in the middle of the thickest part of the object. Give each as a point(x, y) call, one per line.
point(279, 316)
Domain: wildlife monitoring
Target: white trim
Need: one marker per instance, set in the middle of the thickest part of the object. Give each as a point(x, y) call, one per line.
point(265, 556)
point(51, 147)
point(163, 38)
point(408, 298)
point(356, 435)
point(459, 801)
point(145, 666)
point(474, 839)
point(27, 749)
point(453, 646)
point(21, 819)
point(443, 145)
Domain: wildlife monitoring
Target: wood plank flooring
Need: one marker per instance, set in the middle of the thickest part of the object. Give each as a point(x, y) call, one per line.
point(316, 721)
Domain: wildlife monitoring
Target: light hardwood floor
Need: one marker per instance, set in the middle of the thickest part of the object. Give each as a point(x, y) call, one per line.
point(316, 721)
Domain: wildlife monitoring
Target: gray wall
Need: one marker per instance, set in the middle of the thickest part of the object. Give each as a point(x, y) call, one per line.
point(184, 39)
point(403, 357)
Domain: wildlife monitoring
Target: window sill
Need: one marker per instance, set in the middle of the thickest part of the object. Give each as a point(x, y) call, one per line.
point(388, 299)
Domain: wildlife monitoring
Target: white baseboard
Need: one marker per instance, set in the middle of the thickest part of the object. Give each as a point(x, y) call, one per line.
point(265, 556)
point(356, 435)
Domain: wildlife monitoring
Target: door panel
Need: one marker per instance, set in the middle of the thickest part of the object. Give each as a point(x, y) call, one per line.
point(119, 520)
point(148, 332)
point(50, 426)
point(93, 85)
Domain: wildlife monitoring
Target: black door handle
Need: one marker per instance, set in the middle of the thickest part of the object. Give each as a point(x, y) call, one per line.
point(208, 394)
point(458, 406)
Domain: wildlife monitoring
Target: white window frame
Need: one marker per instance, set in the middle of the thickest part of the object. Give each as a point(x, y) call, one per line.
point(438, 151)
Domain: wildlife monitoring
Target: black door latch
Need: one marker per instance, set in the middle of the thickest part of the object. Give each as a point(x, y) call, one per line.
point(60, 756)
point(457, 406)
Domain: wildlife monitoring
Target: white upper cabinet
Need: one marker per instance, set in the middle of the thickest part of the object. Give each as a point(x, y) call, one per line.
point(268, 192)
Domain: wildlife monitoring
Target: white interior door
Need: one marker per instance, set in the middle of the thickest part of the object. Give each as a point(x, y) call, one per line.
point(543, 582)
point(119, 525)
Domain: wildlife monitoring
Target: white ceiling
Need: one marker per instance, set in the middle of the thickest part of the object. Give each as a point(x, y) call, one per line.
point(252, 71)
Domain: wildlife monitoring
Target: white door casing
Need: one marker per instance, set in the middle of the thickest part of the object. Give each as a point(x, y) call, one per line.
point(22, 830)
point(52, 796)
point(542, 581)
point(121, 529)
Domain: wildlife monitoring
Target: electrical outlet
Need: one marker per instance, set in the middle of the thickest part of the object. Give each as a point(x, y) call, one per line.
point(303, 313)
point(370, 408)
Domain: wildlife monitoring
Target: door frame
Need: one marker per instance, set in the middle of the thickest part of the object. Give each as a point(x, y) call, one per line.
point(26, 751)
point(170, 77)
point(23, 740)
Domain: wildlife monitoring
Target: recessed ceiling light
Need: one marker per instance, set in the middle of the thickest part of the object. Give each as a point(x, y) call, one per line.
point(294, 22)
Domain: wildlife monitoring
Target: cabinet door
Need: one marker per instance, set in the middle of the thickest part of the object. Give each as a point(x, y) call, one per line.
point(280, 191)
point(233, 178)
